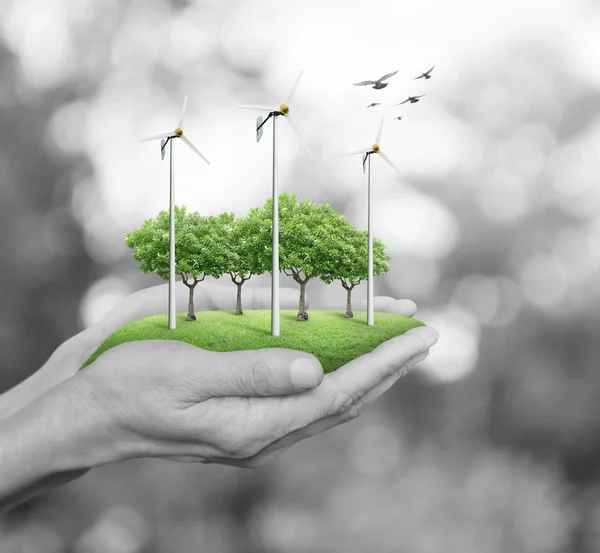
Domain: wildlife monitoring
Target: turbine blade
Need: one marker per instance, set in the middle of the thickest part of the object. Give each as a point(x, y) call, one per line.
point(388, 161)
point(355, 153)
point(182, 114)
point(379, 131)
point(289, 100)
point(162, 148)
point(297, 131)
point(260, 108)
point(163, 135)
point(188, 142)
point(259, 131)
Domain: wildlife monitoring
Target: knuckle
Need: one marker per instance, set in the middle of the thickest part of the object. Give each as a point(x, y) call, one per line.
point(257, 377)
point(342, 401)
point(232, 448)
point(240, 448)
point(232, 429)
point(356, 410)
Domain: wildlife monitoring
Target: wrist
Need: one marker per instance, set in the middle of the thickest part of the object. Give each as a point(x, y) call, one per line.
point(53, 437)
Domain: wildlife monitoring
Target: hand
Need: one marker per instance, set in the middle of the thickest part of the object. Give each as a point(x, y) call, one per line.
point(171, 399)
point(69, 356)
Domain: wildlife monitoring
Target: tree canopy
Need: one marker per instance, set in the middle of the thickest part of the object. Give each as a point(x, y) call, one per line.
point(314, 242)
point(237, 256)
point(349, 264)
point(308, 234)
point(197, 249)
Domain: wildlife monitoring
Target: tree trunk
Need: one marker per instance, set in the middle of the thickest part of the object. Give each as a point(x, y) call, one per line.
point(349, 313)
point(238, 301)
point(302, 314)
point(191, 316)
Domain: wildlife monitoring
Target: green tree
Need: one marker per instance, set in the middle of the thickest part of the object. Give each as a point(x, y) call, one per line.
point(236, 254)
point(194, 256)
point(345, 263)
point(350, 265)
point(307, 238)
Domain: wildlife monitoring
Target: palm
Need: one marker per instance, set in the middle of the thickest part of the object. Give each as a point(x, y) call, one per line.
point(341, 396)
point(270, 425)
point(68, 358)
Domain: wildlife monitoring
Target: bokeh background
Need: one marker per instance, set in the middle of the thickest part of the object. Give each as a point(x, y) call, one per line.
point(493, 444)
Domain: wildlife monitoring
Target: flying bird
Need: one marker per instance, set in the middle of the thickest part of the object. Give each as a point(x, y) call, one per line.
point(378, 84)
point(412, 99)
point(399, 118)
point(426, 75)
point(373, 104)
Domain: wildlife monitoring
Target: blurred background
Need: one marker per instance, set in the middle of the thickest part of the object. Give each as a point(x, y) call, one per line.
point(493, 444)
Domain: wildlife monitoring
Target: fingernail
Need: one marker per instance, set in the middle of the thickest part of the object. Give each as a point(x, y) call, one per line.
point(428, 334)
point(303, 374)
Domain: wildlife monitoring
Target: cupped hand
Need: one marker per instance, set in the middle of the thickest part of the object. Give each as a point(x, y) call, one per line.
point(174, 400)
point(69, 356)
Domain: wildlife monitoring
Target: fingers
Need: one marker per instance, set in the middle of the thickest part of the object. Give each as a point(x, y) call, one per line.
point(208, 295)
point(384, 386)
point(364, 373)
point(340, 396)
point(336, 417)
point(256, 373)
point(408, 308)
point(387, 304)
point(260, 298)
point(217, 296)
point(322, 425)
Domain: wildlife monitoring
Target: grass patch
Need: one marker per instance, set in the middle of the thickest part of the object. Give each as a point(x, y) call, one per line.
point(328, 335)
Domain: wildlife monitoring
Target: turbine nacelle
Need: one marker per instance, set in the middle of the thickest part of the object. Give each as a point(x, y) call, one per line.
point(374, 149)
point(177, 133)
point(275, 111)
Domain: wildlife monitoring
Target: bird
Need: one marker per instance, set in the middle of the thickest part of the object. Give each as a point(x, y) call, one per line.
point(399, 117)
point(412, 99)
point(426, 75)
point(373, 104)
point(378, 84)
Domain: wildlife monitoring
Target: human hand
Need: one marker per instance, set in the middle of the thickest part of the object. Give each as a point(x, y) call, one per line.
point(170, 399)
point(69, 356)
point(164, 398)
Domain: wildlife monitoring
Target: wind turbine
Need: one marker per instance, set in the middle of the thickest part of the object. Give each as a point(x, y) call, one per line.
point(169, 138)
point(367, 153)
point(283, 110)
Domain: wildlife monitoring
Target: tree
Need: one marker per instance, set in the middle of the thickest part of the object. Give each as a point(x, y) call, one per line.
point(350, 264)
point(238, 243)
point(306, 240)
point(345, 263)
point(194, 258)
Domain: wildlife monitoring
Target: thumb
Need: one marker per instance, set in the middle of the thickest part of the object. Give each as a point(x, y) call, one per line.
point(262, 372)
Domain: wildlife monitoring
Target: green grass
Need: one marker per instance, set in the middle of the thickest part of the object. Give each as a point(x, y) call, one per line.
point(328, 335)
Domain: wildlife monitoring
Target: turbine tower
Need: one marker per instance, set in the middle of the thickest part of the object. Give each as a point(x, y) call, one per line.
point(283, 110)
point(169, 138)
point(367, 153)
